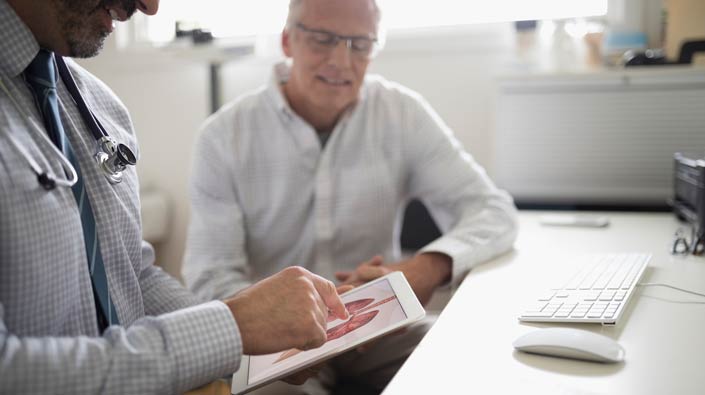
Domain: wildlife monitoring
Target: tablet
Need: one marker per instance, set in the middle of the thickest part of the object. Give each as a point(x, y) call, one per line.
point(585, 221)
point(376, 308)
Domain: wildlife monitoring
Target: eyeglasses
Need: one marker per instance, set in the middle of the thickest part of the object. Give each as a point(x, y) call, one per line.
point(323, 41)
point(684, 244)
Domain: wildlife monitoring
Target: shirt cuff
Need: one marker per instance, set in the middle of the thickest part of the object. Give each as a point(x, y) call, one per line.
point(205, 342)
point(457, 251)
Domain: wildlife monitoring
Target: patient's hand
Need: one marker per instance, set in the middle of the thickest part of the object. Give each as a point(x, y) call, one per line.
point(424, 272)
point(300, 377)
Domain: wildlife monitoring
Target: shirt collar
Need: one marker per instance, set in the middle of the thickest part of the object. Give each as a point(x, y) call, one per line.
point(280, 75)
point(17, 43)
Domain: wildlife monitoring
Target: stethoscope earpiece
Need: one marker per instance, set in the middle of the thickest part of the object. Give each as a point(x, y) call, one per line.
point(46, 181)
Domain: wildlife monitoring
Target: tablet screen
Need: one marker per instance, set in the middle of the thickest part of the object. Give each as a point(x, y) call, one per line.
point(371, 309)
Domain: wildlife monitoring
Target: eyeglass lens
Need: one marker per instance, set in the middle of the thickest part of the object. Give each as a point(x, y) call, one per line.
point(325, 41)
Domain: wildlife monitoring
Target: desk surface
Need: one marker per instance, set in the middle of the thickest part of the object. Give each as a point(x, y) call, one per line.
point(469, 349)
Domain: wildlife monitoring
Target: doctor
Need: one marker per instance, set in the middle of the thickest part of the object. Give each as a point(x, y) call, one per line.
point(82, 307)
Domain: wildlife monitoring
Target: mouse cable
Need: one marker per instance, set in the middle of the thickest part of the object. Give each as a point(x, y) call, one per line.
point(670, 286)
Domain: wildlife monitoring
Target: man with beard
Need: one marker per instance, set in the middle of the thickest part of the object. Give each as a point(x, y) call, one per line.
point(82, 307)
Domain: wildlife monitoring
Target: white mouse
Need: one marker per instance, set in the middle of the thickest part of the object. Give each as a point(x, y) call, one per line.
point(571, 343)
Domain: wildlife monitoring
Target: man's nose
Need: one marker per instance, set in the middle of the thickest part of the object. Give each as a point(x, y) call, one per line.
point(148, 7)
point(341, 54)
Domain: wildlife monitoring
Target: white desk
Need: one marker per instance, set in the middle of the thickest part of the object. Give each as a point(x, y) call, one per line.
point(469, 350)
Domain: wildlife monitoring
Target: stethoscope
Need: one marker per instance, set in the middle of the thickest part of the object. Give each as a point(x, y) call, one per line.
point(112, 157)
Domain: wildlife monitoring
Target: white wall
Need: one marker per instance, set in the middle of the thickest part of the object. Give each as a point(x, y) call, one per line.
point(168, 100)
point(167, 96)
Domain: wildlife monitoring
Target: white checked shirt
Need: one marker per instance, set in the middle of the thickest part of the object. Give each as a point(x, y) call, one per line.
point(49, 340)
point(265, 195)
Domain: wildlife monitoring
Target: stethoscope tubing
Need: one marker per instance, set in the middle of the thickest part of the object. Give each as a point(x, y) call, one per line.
point(91, 121)
point(50, 180)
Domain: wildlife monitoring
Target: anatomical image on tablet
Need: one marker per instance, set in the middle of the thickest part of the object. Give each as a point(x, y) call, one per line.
point(375, 309)
point(372, 308)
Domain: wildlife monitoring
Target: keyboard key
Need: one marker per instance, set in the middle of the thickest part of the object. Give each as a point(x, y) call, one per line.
point(607, 295)
point(592, 295)
point(613, 307)
point(547, 296)
point(565, 311)
point(578, 314)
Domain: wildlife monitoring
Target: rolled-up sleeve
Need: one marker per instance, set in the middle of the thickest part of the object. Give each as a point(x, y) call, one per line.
point(478, 220)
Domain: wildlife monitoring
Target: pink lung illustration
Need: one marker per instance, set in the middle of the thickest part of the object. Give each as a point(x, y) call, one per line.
point(353, 307)
point(349, 326)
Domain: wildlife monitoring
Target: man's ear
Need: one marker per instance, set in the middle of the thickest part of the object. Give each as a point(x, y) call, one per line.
point(286, 42)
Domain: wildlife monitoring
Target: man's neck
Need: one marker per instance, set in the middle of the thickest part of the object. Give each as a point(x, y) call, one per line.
point(42, 23)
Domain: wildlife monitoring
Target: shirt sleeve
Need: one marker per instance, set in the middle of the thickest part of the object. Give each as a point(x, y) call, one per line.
point(478, 220)
point(170, 353)
point(216, 264)
point(161, 293)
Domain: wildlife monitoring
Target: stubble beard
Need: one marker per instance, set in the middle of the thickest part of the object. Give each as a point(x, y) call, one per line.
point(84, 34)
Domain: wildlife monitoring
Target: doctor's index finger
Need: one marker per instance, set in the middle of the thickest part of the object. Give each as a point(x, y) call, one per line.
point(326, 289)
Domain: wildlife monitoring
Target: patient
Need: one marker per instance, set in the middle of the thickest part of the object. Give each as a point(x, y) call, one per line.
point(315, 169)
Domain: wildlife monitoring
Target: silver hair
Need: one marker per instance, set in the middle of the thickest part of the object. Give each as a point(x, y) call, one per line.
point(295, 14)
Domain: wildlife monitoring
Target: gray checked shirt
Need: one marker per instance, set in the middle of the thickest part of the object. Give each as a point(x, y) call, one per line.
point(49, 340)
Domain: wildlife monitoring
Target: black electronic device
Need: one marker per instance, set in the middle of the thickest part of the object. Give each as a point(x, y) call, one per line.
point(689, 196)
point(651, 57)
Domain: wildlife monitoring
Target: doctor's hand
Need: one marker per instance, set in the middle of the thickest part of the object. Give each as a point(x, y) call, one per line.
point(300, 377)
point(287, 310)
point(424, 272)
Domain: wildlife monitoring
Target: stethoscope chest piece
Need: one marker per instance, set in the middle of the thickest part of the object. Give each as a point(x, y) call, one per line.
point(113, 158)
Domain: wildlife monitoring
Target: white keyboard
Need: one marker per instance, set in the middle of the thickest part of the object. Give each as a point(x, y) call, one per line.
point(597, 293)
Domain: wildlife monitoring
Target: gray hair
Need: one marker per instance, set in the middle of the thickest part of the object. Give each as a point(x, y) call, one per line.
point(295, 14)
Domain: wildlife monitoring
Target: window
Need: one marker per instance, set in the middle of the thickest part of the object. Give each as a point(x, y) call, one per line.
point(405, 14)
point(240, 18)
point(224, 18)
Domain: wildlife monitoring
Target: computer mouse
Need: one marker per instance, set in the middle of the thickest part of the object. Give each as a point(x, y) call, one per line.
point(571, 343)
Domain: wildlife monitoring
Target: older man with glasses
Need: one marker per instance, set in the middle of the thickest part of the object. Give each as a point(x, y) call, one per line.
point(316, 168)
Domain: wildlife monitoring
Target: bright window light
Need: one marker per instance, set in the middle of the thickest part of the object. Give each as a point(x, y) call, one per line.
point(406, 14)
point(224, 18)
point(241, 18)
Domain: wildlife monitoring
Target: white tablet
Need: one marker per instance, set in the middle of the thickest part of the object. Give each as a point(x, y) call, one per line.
point(376, 308)
point(586, 221)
